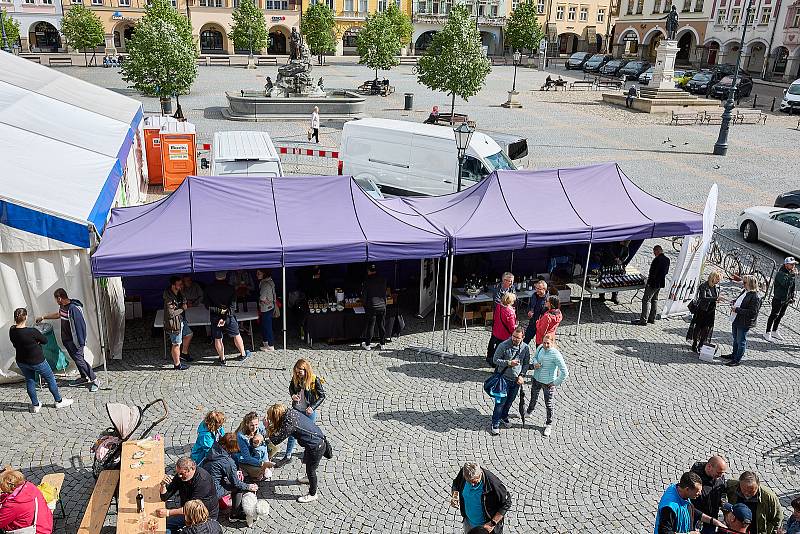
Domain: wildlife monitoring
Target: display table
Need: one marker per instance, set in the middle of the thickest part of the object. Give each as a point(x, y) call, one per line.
point(598, 290)
point(199, 316)
point(346, 324)
point(463, 299)
point(152, 470)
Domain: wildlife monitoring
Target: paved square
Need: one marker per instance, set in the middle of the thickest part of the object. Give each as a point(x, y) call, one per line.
point(636, 411)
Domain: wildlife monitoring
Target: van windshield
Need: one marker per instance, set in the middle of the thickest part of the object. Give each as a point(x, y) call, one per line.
point(794, 89)
point(499, 162)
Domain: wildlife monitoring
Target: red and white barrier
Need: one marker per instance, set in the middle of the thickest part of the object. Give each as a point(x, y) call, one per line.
point(300, 151)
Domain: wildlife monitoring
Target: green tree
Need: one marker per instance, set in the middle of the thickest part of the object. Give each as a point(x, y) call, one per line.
point(12, 29)
point(523, 31)
point(317, 27)
point(249, 29)
point(454, 62)
point(162, 53)
point(377, 44)
point(401, 22)
point(82, 29)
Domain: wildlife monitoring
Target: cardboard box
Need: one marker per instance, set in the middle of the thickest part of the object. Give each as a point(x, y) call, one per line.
point(488, 316)
point(564, 295)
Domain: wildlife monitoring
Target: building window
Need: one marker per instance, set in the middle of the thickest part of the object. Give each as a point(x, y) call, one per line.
point(77, 2)
point(571, 13)
point(687, 6)
point(766, 14)
point(584, 14)
point(47, 2)
point(639, 7)
point(698, 6)
point(235, 4)
point(735, 13)
point(362, 6)
point(657, 6)
point(751, 16)
point(540, 7)
point(381, 5)
point(720, 16)
point(601, 15)
point(348, 5)
point(796, 20)
point(560, 13)
point(97, 2)
point(630, 7)
point(124, 3)
point(667, 6)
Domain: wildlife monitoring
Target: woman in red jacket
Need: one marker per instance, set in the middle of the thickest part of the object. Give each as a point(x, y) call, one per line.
point(505, 321)
point(22, 504)
point(550, 319)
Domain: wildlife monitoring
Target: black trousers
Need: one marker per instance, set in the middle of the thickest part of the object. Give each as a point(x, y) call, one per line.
point(490, 350)
point(312, 458)
point(375, 315)
point(776, 314)
point(315, 134)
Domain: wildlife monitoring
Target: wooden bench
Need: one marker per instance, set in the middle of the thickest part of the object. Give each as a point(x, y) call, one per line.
point(458, 118)
point(201, 61)
point(408, 60)
point(97, 508)
point(60, 62)
point(499, 60)
point(711, 118)
point(750, 116)
point(267, 60)
point(582, 84)
point(35, 59)
point(609, 84)
point(56, 480)
point(685, 118)
point(223, 60)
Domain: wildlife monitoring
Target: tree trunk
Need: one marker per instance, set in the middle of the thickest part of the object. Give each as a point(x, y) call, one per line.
point(85, 60)
point(376, 74)
point(452, 108)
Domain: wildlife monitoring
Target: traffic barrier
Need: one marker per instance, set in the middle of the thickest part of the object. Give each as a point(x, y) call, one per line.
point(300, 151)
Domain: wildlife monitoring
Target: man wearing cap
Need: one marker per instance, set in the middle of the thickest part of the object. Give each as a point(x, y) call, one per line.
point(373, 295)
point(220, 298)
point(675, 512)
point(764, 505)
point(712, 473)
point(782, 297)
point(737, 519)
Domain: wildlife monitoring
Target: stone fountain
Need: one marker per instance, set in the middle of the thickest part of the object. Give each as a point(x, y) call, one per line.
point(294, 94)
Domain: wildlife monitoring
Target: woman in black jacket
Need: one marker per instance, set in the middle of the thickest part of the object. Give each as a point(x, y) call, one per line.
point(30, 360)
point(482, 498)
point(307, 396)
point(282, 422)
point(744, 314)
point(703, 319)
point(222, 468)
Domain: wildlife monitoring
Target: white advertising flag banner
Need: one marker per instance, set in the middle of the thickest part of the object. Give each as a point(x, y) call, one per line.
point(689, 265)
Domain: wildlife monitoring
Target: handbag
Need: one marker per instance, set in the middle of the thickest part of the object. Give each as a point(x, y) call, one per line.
point(693, 306)
point(328, 449)
point(31, 529)
point(496, 386)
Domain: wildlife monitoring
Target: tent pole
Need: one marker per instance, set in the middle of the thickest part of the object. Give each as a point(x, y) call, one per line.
point(444, 297)
point(435, 301)
point(283, 293)
point(98, 313)
point(447, 304)
point(583, 287)
point(511, 267)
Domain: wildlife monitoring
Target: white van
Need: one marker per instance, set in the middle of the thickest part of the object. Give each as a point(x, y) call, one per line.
point(412, 158)
point(244, 153)
point(791, 97)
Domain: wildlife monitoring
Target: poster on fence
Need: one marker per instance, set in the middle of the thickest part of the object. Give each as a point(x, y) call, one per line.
point(689, 265)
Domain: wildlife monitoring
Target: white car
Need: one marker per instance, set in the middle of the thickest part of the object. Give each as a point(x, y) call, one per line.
point(780, 227)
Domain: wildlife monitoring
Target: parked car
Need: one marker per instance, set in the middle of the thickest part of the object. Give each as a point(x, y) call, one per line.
point(577, 60)
point(744, 86)
point(647, 76)
point(633, 69)
point(703, 81)
point(726, 69)
point(791, 97)
point(777, 226)
point(245, 153)
point(788, 200)
point(682, 77)
point(594, 63)
point(613, 67)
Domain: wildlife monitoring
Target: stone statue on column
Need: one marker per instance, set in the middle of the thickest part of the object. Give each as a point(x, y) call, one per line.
point(672, 23)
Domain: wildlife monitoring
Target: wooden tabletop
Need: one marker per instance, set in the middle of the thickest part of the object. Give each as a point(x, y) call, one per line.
point(129, 483)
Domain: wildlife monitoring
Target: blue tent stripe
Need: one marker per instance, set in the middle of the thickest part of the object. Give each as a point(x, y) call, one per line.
point(43, 224)
point(137, 118)
point(99, 214)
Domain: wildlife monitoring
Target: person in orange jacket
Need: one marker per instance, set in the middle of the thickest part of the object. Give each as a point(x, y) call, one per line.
point(549, 321)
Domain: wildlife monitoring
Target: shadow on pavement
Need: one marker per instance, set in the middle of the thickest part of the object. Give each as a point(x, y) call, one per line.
point(438, 420)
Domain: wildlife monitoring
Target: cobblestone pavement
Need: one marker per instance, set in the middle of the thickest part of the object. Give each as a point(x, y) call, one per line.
point(636, 411)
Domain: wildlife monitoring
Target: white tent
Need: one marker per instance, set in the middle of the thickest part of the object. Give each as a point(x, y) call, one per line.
point(69, 152)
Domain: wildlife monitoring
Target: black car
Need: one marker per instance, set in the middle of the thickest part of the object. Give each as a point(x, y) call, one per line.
point(577, 60)
point(788, 200)
point(744, 86)
point(594, 63)
point(613, 67)
point(633, 70)
point(703, 81)
point(726, 69)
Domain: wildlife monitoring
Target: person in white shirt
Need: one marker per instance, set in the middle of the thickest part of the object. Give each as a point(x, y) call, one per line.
point(315, 125)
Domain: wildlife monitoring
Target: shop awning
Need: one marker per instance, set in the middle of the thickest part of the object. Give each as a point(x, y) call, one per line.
point(218, 223)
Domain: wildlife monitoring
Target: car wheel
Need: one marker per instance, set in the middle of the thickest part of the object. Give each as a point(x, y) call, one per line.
point(750, 231)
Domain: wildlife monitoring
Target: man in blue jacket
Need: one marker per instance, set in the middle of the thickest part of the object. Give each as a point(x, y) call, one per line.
point(73, 335)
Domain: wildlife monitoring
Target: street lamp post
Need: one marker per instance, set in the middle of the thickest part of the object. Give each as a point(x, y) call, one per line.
point(463, 133)
point(721, 146)
point(517, 58)
point(3, 29)
point(512, 101)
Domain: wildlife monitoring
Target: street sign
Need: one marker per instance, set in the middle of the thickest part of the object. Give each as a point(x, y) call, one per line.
point(543, 45)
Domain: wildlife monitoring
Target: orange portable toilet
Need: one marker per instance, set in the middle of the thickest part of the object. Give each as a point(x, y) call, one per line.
point(178, 153)
point(152, 146)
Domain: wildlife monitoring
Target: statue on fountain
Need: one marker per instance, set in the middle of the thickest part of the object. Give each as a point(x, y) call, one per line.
point(672, 23)
point(294, 44)
point(294, 78)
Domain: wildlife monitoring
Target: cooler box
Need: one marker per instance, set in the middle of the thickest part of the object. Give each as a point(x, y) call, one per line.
point(152, 146)
point(178, 153)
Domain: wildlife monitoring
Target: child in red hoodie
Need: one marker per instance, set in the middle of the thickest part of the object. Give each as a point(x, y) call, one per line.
point(549, 321)
point(505, 321)
point(19, 500)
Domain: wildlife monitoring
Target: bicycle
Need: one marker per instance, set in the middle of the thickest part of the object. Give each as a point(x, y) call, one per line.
point(732, 265)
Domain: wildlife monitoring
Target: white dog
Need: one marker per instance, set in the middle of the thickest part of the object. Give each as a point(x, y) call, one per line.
point(254, 508)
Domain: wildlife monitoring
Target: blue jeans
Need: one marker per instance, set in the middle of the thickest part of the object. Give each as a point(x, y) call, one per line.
point(291, 442)
point(29, 372)
point(739, 342)
point(175, 523)
point(501, 409)
point(266, 327)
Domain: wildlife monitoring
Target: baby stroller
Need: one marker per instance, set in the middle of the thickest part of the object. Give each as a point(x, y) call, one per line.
point(107, 450)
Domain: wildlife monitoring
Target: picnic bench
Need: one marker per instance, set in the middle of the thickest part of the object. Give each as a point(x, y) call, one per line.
point(750, 116)
point(97, 509)
point(371, 89)
point(685, 118)
point(130, 483)
point(60, 61)
point(582, 84)
point(56, 480)
point(267, 60)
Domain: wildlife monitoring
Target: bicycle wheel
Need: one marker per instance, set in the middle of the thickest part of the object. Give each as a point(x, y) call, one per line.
point(731, 265)
point(714, 254)
point(763, 281)
point(677, 243)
